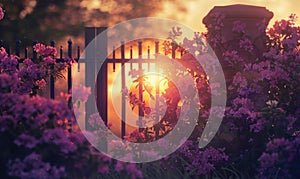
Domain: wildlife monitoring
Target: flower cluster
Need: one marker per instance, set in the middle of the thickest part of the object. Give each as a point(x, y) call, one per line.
point(131, 169)
point(33, 74)
point(38, 168)
point(280, 158)
point(48, 62)
point(246, 44)
point(202, 161)
point(8, 64)
point(45, 51)
point(81, 93)
point(214, 27)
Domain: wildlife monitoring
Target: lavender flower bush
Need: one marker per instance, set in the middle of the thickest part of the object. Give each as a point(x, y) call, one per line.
point(262, 119)
point(34, 135)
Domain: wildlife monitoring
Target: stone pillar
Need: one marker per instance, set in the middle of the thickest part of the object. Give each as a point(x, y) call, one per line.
point(220, 22)
point(227, 25)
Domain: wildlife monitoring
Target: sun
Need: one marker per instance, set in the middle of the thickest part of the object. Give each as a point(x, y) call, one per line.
point(151, 86)
point(156, 80)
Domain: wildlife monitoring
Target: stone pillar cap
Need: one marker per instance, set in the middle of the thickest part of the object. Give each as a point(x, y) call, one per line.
point(240, 11)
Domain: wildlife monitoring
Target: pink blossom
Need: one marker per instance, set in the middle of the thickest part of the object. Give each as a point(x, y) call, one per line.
point(40, 83)
point(1, 13)
point(44, 50)
point(3, 53)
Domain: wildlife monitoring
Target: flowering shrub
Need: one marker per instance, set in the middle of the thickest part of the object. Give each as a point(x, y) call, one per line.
point(264, 104)
point(33, 74)
point(37, 124)
point(35, 139)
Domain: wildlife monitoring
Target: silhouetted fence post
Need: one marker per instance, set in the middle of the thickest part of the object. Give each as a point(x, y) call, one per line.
point(18, 43)
point(98, 96)
point(52, 82)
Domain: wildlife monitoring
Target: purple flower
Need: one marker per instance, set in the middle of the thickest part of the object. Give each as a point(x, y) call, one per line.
point(103, 169)
point(59, 137)
point(280, 153)
point(133, 171)
point(261, 26)
point(119, 166)
point(202, 161)
point(232, 57)
point(81, 93)
point(258, 125)
point(33, 167)
point(246, 44)
point(8, 64)
point(26, 140)
point(7, 83)
point(268, 159)
point(49, 61)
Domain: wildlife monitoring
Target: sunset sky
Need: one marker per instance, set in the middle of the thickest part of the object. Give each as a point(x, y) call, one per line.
point(197, 9)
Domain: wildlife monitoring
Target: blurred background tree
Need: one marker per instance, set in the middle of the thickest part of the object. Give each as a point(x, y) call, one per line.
point(29, 20)
point(44, 20)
